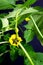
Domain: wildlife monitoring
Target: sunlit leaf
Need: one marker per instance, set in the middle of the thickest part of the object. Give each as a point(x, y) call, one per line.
point(5, 22)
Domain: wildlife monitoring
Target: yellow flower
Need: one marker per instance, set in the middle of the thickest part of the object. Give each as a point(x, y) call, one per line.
point(27, 19)
point(14, 40)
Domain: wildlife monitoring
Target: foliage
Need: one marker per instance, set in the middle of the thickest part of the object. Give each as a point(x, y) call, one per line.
point(11, 22)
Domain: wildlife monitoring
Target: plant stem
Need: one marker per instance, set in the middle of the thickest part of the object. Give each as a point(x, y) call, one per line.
point(3, 42)
point(21, 29)
point(4, 52)
point(28, 56)
point(16, 24)
point(36, 27)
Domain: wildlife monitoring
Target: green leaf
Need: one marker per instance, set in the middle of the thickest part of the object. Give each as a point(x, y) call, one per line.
point(39, 8)
point(30, 25)
point(29, 2)
point(5, 22)
point(14, 12)
point(28, 11)
point(37, 62)
point(21, 11)
point(25, 13)
point(26, 62)
point(22, 18)
point(28, 35)
point(13, 53)
point(6, 37)
point(28, 48)
point(2, 48)
point(12, 1)
point(38, 23)
point(38, 59)
point(5, 4)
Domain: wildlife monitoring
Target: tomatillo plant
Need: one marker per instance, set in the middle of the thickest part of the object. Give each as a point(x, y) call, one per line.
point(18, 43)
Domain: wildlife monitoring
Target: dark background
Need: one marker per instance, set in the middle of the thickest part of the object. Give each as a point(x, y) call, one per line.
point(35, 42)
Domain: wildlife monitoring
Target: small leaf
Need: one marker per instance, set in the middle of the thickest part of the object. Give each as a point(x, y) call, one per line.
point(5, 22)
point(28, 35)
point(26, 62)
point(6, 37)
point(30, 25)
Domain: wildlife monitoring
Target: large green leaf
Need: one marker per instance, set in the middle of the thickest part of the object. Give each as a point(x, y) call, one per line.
point(36, 62)
point(5, 4)
point(40, 56)
point(29, 10)
point(28, 48)
point(38, 19)
point(21, 11)
point(25, 13)
point(38, 23)
point(38, 59)
point(14, 12)
point(28, 35)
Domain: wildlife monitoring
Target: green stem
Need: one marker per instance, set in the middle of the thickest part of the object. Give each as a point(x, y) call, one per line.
point(3, 42)
point(28, 56)
point(16, 24)
point(36, 27)
point(4, 52)
point(21, 29)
